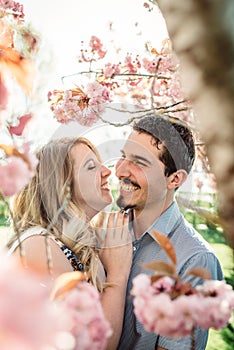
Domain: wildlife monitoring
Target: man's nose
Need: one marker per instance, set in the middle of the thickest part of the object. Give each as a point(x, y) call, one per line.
point(122, 168)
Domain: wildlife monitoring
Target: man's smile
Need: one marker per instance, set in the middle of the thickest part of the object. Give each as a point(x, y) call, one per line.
point(127, 186)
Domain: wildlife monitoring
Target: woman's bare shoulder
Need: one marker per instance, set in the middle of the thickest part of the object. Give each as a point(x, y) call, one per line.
point(39, 252)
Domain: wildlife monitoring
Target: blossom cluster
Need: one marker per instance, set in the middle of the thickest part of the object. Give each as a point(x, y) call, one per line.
point(73, 322)
point(12, 7)
point(83, 106)
point(28, 319)
point(151, 79)
point(88, 324)
point(95, 52)
point(161, 312)
point(16, 68)
point(16, 169)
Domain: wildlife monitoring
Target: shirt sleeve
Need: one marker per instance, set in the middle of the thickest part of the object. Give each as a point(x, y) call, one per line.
point(201, 337)
point(206, 260)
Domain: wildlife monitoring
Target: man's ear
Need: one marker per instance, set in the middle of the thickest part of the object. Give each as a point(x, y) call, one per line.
point(177, 179)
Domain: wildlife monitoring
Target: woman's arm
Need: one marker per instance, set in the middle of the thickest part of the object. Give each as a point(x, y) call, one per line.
point(116, 256)
point(35, 256)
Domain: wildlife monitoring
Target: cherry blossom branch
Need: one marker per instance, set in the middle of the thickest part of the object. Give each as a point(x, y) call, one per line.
point(142, 75)
point(144, 113)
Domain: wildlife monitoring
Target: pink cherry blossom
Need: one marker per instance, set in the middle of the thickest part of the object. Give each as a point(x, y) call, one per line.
point(14, 6)
point(168, 63)
point(139, 284)
point(78, 105)
point(94, 89)
point(111, 69)
point(28, 319)
point(165, 309)
point(15, 174)
point(132, 65)
point(185, 307)
point(96, 45)
point(89, 326)
point(213, 288)
point(149, 65)
point(164, 285)
point(22, 122)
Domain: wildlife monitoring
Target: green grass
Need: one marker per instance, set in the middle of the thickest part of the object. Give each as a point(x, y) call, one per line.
point(224, 338)
point(216, 340)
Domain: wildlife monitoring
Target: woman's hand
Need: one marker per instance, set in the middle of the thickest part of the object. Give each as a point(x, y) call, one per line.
point(116, 246)
point(116, 256)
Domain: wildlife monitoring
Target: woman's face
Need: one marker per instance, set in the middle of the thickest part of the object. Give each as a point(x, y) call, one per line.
point(90, 180)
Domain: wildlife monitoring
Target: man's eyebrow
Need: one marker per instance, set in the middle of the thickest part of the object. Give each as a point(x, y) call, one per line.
point(137, 157)
point(143, 159)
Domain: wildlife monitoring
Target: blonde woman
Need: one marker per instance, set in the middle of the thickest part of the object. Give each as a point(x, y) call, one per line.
point(53, 214)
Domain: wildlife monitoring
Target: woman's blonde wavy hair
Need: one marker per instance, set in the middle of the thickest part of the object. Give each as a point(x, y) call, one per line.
point(48, 200)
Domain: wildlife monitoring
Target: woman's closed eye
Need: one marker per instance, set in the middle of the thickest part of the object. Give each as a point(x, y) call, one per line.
point(91, 165)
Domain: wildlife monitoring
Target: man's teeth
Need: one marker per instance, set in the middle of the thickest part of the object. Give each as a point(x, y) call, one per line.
point(105, 187)
point(128, 187)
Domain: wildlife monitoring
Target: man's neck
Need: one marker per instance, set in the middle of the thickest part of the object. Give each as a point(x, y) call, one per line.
point(144, 219)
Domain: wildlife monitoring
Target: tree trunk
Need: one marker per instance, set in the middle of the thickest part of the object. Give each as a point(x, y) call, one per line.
point(202, 35)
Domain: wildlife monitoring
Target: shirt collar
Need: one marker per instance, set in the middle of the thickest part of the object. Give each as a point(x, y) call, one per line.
point(167, 221)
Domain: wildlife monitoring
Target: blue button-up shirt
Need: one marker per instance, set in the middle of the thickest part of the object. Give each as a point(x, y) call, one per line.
point(191, 251)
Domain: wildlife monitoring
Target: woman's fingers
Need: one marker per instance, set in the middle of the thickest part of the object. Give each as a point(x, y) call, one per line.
point(117, 231)
point(117, 253)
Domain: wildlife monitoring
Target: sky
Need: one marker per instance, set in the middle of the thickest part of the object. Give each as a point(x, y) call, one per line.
point(63, 24)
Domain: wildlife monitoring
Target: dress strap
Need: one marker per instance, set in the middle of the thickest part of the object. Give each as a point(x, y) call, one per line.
point(33, 231)
point(72, 258)
point(38, 230)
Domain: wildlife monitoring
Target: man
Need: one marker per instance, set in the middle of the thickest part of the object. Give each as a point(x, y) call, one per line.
point(156, 160)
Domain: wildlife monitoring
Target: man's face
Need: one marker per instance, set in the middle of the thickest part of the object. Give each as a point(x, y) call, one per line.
point(143, 183)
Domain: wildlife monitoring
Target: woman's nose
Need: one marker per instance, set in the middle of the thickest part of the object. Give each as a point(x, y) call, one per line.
point(105, 171)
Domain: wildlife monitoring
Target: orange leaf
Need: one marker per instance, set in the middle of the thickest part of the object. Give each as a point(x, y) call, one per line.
point(77, 91)
point(19, 67)
point(6, 34)
point(161, 267)
point(3, 94)
point(155, 278)
point(166, 245)
point(154, 51)
point(12, 151)
point(200, 272)
point(65, 282)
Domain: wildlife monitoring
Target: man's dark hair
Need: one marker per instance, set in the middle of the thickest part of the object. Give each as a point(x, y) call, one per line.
point(175, 141)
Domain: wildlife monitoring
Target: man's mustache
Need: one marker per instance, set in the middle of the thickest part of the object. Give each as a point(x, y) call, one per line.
point(129, 182)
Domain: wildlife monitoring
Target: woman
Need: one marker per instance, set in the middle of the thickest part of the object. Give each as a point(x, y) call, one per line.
point(53, 213)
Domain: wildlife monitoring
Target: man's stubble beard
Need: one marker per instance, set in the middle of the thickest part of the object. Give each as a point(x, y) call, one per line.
point(124, 206)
